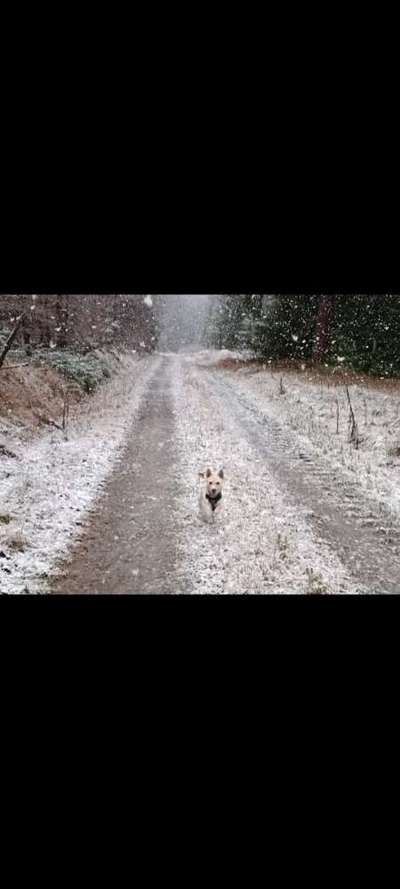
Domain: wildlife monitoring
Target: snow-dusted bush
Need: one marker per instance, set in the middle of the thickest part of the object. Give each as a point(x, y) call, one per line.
point(88, 370)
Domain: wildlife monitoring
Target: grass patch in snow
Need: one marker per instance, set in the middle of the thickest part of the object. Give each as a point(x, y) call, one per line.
point(315, 414)
point(17, 542)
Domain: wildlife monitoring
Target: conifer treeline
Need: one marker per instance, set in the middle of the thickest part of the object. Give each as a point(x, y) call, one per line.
point(362, 331)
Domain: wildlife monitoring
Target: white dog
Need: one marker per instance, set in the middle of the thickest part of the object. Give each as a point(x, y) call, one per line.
point(211, 494)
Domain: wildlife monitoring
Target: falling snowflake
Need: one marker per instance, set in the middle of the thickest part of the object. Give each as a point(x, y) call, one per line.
point(148, 301)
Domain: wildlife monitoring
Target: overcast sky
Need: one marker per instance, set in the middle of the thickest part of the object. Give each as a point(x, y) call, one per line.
point(183, 319)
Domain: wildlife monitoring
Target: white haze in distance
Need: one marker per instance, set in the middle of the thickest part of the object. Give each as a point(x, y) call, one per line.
point(183, 321)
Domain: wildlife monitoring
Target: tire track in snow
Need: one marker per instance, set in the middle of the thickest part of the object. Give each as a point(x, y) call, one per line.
point(263, 542)
point(363, 535)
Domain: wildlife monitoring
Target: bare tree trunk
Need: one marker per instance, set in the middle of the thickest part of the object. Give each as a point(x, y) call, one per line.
point(61, 312)
point(326, 312)
point(11, 339)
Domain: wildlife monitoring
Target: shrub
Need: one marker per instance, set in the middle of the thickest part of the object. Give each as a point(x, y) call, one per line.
point(88, 370)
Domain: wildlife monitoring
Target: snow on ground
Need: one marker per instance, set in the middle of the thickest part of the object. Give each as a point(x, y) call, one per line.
point(211, 357)
point(262, 543)
point(47, 491)
point(311, 412)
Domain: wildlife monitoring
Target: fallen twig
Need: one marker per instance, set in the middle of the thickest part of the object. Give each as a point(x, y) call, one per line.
point(23, 364)
point(47, 421)
point(4, 452)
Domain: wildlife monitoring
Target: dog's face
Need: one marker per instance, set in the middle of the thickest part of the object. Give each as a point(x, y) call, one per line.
point(214, 481)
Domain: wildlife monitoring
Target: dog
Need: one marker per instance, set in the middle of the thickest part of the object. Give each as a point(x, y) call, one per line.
point(211, 494)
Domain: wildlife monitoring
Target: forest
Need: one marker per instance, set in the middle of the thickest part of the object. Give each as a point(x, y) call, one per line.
point(359, 331)
point(354, 330)
point(83, 321)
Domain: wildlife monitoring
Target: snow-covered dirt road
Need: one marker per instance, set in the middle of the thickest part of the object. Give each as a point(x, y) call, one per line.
point(130, 541)
point(51, 482)
point(348, 535)
point(301, 514)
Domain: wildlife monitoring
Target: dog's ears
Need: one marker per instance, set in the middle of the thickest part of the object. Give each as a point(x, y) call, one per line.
point(208, 473)
point(221, 473)
point(201, 474)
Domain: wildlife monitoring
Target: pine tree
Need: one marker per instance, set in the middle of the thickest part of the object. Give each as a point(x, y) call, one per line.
point(323, 327)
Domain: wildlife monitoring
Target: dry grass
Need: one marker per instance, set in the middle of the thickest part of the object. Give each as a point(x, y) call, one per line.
point(17, 542)
point(237, 364)
point(330, 376)
point(25, 391)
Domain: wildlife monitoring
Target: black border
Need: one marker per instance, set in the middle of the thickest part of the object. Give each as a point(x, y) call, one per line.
point(213, 239)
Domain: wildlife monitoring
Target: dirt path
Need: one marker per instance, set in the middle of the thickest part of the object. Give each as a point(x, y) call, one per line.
point(288, 521)
point(129, 544)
